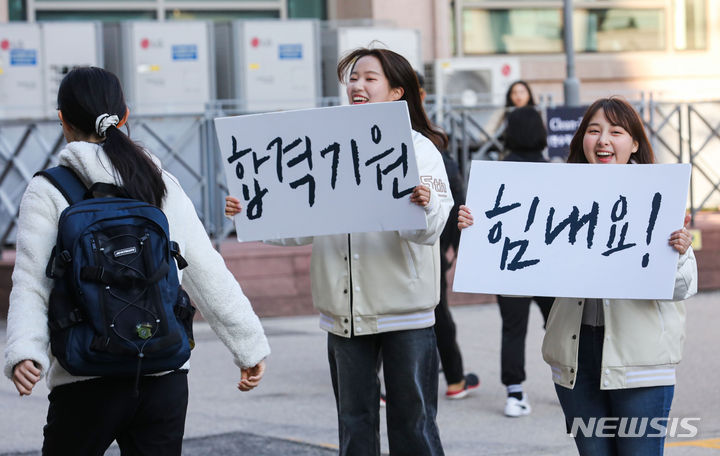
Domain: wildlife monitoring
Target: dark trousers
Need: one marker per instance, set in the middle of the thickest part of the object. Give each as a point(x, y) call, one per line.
point(586, 402)
point(85, 417)
point(446, 333)
point(410, 367)
point(515, 312)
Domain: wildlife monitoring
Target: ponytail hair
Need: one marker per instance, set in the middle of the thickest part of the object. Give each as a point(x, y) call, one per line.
point(85, 95)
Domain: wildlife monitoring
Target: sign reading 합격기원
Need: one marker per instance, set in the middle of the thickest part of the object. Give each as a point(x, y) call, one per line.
point(343, 169)
point(572, 230)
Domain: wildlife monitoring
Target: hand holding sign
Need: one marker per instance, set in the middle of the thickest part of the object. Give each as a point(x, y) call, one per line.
point(681, 239)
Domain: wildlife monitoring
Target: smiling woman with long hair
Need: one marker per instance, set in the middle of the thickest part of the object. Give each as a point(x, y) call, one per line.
point(376, 292)
point(616, 358)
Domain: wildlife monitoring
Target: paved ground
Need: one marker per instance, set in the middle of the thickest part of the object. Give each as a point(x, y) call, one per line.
point(293, 412)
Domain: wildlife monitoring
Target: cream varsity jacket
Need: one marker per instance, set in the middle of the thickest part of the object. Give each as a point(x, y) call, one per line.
point(643, 338)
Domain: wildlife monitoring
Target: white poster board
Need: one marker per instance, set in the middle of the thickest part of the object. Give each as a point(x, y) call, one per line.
point(572, 230)
point(344, 169)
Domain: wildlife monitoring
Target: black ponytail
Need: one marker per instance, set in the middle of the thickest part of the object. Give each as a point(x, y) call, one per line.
point(88, 92)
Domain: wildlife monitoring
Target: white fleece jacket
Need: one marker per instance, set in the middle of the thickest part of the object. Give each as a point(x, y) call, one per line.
point(207, 280)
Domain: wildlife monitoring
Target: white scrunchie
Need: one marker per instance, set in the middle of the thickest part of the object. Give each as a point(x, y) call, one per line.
point(103, 122)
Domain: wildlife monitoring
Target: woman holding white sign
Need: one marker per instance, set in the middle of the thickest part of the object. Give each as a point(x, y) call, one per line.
point(525, 140)
point(376, 292)
point(613, 360)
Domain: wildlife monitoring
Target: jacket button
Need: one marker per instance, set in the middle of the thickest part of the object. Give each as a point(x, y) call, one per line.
point(607, 371)
point(358, 329)
point(571, 382)
point(357, 288)
point(346, 331)
point(579, 303)
point(345, 291)
point(346, 320)
point(356, 256)
point(574, 336)
point(345, 258)
point(606, 383)
point(572, 371)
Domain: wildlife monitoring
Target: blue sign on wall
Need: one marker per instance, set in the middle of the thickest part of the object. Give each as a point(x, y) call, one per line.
point(184, 52)
point(290, 51)
point(23, 57)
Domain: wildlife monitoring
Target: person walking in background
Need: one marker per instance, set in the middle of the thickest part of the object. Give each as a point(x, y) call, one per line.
point(146, 415)
point(525, 140)
point(458, 382)
point(377, 292)
point(617, 357)
point(519, 94)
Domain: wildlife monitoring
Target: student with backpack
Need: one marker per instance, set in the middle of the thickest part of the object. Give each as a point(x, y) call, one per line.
point(106, 322)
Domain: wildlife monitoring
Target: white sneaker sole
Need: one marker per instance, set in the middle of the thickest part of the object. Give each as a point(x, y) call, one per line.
point(518, 413)
point(459, 395)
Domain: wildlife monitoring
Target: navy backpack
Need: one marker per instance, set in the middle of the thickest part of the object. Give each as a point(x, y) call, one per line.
point(116, 308)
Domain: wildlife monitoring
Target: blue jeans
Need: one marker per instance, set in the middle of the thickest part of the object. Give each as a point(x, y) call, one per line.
point(587, 402)
point(410, 365)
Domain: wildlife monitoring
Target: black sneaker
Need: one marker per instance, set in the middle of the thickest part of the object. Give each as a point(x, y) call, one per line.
point(472, 381)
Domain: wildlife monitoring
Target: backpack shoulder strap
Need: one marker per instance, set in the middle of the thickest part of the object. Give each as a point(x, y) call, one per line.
point(67, 181)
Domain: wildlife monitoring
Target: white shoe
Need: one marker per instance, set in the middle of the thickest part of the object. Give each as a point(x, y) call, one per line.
point(515, 408)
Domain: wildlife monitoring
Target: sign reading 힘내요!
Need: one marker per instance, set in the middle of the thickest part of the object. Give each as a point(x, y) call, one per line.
point(344, 169)
point(572, 230)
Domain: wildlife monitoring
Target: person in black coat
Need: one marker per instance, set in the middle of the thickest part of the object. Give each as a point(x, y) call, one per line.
point(459, 383)
point(525, 140)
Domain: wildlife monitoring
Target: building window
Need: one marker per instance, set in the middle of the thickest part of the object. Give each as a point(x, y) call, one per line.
point(529, 30)
point(690, 25)
point(110, 16)
point(619, 29)
point(307, 9)
point(220, 16)
point(17, 10)
point(520, 30)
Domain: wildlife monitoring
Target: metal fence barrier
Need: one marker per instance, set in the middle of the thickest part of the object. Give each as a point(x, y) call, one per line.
point(187, 147)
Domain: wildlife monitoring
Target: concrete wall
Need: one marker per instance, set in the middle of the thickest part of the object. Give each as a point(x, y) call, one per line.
point(431, 17)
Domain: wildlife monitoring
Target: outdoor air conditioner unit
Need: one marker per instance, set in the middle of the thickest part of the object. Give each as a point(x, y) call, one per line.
point(269, 65)
point(67, 45)
point(165, 67)
point(472, 81)
point(21, 71)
